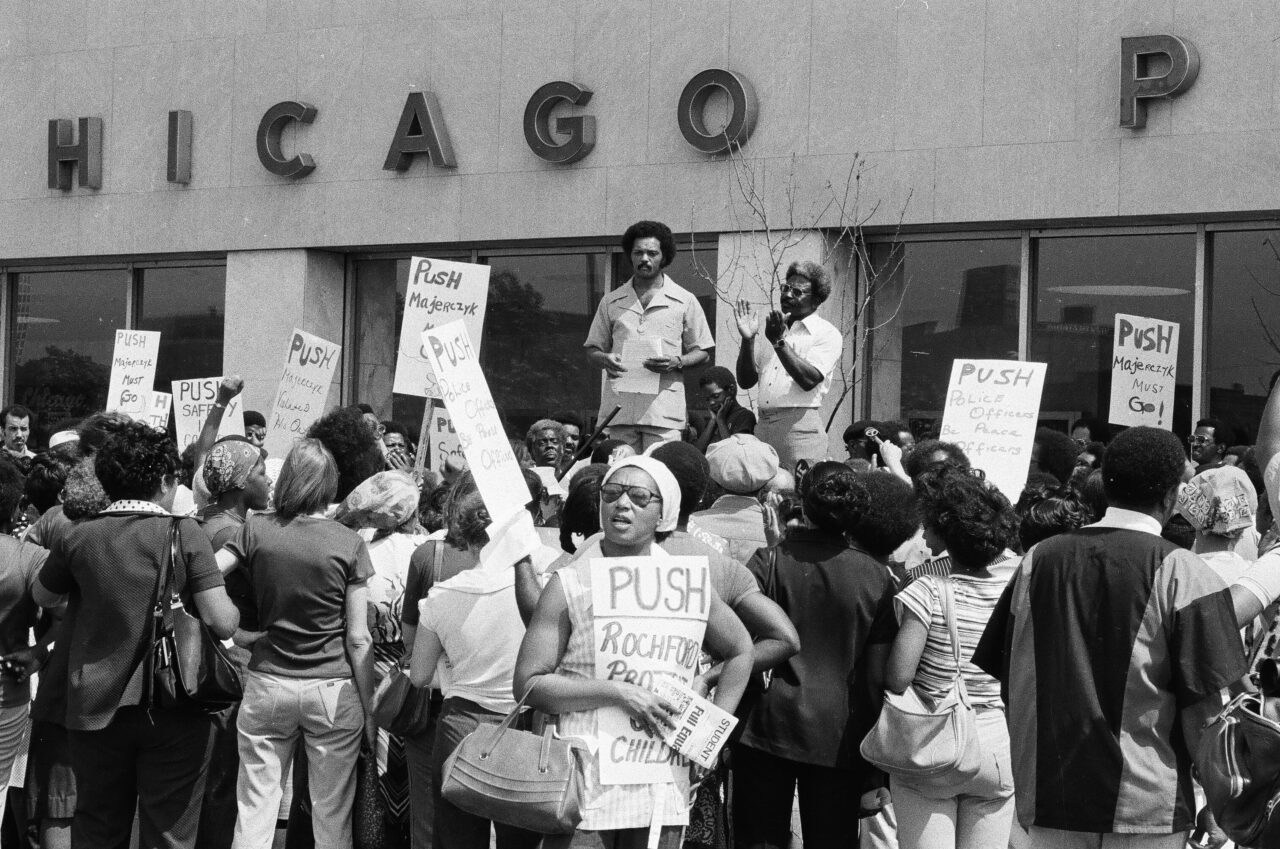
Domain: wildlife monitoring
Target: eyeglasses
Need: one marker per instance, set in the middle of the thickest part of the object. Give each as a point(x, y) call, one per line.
point(794, 290)
point(637, 495)
point(1200, 440)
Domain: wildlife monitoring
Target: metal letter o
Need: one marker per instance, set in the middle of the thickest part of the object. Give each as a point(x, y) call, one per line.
point(742, 115)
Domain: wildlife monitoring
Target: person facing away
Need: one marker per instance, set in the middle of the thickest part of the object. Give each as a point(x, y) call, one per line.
point(649, 323)
point(792, 361)
point(1132, 641)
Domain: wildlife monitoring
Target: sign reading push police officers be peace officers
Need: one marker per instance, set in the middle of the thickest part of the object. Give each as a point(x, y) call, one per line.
point(438, 292)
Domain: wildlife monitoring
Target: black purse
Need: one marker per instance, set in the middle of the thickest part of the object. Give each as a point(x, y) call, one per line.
point(190, 670)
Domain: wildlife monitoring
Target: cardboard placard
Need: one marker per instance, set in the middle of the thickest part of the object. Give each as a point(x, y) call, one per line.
point(456, 363)
point(991, 413)
point(650, 617)
point(309, 364)
point(133, 372)
point(439, 291)
point(443, 440)
point(158, 410)
point(193, 399)
point(1144, 369)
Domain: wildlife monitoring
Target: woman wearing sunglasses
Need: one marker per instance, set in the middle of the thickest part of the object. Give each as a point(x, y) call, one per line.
point(639, 507)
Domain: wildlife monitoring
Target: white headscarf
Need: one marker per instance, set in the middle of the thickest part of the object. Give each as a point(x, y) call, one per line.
point(667, 487)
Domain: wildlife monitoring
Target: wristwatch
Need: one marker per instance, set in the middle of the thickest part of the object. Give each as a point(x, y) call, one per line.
point(778, 345)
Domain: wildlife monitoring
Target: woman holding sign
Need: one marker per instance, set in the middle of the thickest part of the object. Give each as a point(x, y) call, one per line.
point(640, 505)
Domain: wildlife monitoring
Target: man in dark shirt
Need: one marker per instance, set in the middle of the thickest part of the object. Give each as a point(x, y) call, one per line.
point(1131, 641)
point(727, 415)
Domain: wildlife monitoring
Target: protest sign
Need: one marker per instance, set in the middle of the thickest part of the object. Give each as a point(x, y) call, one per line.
point(1144, 367)
point(650, 615)
point(462, 385)
point(438, 291)
point(158, 410)
point(309, 364)
point(133, 371)
point(701, 728)
point(991, 413)
point(443, 440)
point(193, 399)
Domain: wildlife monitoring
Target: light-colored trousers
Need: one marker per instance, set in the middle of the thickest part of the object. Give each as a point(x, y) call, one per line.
point(796, 433)
point(276, 710)
point(976, 814)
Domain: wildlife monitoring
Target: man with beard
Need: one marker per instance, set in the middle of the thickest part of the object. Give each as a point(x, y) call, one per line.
point(649, 323)
point(792, 363)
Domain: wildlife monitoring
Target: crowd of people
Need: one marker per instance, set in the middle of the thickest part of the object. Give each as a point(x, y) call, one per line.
point(1094, 626)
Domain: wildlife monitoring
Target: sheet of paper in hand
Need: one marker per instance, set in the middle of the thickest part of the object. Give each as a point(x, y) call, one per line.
point(701, 729)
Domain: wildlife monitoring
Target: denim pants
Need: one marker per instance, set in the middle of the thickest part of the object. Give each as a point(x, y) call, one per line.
point(977, 814)
point(276, 711)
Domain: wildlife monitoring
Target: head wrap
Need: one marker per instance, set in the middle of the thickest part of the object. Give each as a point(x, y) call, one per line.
point(383, 502)
point(668, 488)
point(228, 465)
point(1219, 501)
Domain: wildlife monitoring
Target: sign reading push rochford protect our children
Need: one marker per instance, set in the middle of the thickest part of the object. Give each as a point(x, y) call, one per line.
point(1144, 369)
point(438, 292)
point(650, 617)
point(133, 371)
point(992, 410)
point(309, 364)
point(465, 391)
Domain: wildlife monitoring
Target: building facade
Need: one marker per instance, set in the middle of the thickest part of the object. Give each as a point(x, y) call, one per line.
point(248, 167)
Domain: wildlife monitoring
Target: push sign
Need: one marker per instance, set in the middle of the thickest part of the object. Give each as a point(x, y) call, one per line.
point(1144, 367)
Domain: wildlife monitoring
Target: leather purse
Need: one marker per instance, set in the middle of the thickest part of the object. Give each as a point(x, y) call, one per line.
point(518, 778)
point(190, 670)
point(929, 746)
point(1239, 767)
point(399, 707)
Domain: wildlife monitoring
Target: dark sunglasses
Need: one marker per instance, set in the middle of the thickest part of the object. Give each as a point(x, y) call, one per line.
point(637, 495)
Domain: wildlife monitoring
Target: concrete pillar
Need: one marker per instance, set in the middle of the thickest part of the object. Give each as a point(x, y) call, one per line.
point(269, 293)
point(749, 269)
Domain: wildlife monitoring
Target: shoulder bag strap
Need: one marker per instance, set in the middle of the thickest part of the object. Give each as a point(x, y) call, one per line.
point(947, 598)
point(771, 580)
point(437, 563)
point(158, 613)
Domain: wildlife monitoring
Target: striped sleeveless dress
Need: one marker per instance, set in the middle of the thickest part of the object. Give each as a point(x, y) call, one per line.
point(606, 807)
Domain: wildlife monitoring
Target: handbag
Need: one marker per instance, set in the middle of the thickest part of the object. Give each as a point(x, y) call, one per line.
point(399, 707)
point(189, 667)
point(930, 746)
point(368, 808)
point(1238, 761)
point(531, 781)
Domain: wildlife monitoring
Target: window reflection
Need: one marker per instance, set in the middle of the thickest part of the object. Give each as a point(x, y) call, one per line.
point(934, 302)
point(187, 306)
point(540, 308)
point(1081, 282)
point(1244, 347)
point(62, 332)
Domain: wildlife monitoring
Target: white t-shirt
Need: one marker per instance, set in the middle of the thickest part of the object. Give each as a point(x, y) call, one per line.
point(475, 617)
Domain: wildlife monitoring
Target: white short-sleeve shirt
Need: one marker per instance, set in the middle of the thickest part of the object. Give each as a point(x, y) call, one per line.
point(818, 342)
